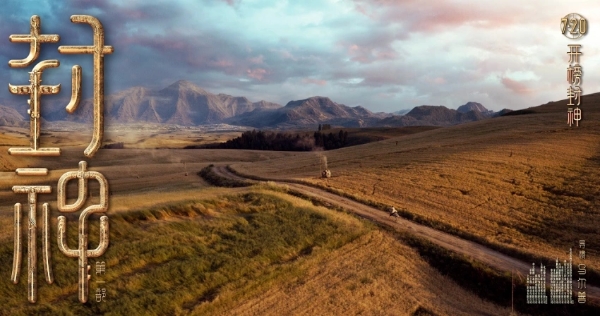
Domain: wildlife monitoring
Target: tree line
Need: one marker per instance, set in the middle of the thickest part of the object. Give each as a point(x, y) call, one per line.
point(265, 140)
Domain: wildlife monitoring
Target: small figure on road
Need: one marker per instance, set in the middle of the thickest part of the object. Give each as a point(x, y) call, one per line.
point(394, 212)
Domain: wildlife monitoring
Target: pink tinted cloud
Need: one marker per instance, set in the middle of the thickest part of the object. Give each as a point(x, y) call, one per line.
point(363, 10)
point(197, 53)
point(314, 81)
point(359, 54)
point(257, 60)
point(173, 41)
point(438, 80)
point(441, 14)
point(377, 78)
point(385, 54)
point(222, 63)
point(516, 86)
point(230, 2)
point(285, 54)
point(361, 59)
point(365, 54)
point(257, 73)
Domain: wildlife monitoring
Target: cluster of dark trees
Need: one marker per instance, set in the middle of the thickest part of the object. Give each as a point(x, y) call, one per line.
point(262, 140)
point(331, 140)
point(268, 141)
point(119, 145)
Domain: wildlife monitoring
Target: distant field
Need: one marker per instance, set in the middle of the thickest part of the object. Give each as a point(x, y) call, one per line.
point(168, 139)
point(372, 134)
point(133, 136)
point(134, 175)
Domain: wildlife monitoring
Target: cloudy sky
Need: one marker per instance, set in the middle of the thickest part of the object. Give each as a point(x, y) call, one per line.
point(384, 55)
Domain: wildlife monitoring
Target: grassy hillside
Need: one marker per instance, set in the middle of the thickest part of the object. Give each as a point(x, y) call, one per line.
point(526, 182)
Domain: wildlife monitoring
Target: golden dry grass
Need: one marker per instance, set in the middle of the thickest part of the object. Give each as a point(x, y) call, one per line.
point(374, 275)
point(528, 182)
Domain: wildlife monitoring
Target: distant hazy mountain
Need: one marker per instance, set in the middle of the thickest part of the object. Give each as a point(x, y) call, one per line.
point(181, 103)
point(311, 111)
point(429, 115)
point(472, 106)
point(10, 117)
point(401, 112)
point(184, 103)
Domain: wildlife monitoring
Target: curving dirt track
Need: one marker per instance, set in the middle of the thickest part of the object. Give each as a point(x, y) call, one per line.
point(474, 250)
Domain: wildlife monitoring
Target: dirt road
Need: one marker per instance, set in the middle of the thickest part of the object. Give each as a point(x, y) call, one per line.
point(474, 250)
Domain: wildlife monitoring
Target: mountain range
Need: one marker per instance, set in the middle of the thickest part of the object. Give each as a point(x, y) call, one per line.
point(311, 111)
point(439, 115)
point(10, 117)
point(184, 103)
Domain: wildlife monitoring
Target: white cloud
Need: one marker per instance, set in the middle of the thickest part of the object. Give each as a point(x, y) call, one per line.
point(384, 55)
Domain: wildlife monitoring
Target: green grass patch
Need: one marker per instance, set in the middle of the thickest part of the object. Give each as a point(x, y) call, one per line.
point(198, 257)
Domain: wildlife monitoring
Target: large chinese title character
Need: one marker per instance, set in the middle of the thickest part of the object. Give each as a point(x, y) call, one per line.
point(82, 252)
point(98, 50)
point(35, 90)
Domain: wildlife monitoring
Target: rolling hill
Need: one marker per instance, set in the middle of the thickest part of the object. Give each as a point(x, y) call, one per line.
point(10, 117)
point(311, 111)
point(430, 115)
point(525, 182)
